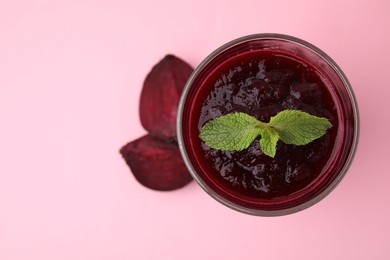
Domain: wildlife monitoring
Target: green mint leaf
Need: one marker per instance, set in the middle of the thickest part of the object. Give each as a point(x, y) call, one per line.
point(298, 127)
point(268, 141)
point(231, 132)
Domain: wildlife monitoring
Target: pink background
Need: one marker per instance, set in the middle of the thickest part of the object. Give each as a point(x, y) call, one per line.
point(70, 77)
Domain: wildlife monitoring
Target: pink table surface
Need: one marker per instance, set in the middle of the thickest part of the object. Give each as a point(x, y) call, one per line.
point(70, 77)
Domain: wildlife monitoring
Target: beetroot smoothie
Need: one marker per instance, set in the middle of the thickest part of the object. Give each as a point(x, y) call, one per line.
point(261, 77)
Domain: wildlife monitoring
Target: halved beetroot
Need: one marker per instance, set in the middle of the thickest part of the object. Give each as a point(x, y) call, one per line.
point(156, 163)
point(161, 94)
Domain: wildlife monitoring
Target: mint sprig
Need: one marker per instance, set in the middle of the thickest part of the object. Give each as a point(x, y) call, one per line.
point(237, 131)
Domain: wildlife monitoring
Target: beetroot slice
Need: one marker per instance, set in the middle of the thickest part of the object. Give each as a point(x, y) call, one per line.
point(161, 94)
point(155, 163)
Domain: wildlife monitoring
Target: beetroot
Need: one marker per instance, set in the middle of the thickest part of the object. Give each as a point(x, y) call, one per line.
point(156, 163)
point(161, 94)
point(155, 159)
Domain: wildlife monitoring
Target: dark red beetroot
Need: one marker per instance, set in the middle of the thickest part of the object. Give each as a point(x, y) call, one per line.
point(156, 163)
point(161, 94)
point(154, 159)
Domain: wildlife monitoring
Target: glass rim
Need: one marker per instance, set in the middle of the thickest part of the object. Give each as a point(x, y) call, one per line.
point(330, 187)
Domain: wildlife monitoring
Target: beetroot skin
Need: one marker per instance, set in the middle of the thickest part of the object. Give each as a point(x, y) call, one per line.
point(156, 163)
point(161, 94)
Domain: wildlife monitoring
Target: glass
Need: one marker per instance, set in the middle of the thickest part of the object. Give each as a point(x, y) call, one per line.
point(346, 141)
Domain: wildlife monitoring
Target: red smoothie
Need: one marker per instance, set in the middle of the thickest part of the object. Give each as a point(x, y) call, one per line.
point(262, 83)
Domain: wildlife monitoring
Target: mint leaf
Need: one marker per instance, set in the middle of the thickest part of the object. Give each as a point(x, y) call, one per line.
point(237, 131)
point(268, 141)
point(298, 127)
point(231, 132)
